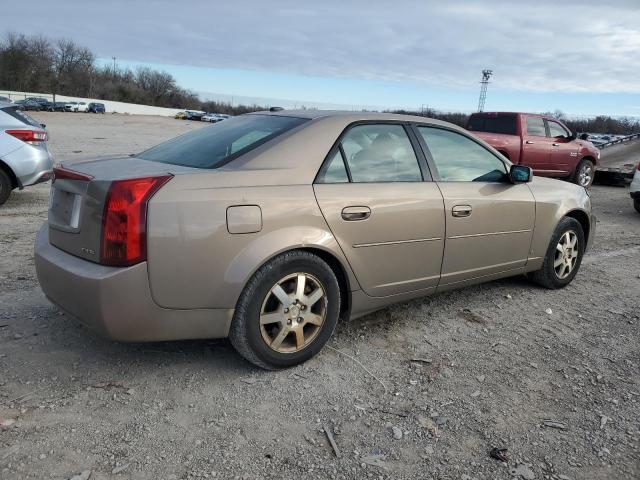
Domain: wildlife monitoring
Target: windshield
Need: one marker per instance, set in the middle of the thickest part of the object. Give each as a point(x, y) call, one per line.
point(213, 146)
point(23, 117)
point(505, 123)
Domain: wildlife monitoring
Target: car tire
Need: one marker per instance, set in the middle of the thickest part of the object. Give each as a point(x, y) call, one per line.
point(265, 332)
point(5, 187)
point(561, 263)
point(636, 204)
point(585, 173)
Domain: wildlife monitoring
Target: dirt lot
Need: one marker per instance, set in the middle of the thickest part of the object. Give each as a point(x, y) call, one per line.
point(553, 376)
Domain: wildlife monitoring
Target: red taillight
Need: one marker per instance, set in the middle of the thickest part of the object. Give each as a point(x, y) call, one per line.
point(124, 221)
point(61, 173)
point(29, 136)
point(639, 167)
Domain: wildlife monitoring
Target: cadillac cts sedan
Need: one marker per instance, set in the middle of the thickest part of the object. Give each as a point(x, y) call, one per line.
point(269, 227)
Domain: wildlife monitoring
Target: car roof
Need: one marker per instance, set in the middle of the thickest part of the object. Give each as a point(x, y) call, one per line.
point(353, 116)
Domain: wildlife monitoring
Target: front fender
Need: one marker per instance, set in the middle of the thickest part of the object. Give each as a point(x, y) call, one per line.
point(555, 199)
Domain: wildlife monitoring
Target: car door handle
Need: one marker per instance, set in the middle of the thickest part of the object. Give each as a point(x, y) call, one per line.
point(351, 214)
point(555, 144)
point(529, 142)
point(461, 210)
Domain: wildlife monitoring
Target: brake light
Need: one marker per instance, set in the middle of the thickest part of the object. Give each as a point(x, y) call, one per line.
point(639, 167)
point(61, 173)
point(124, 220)
point(29, 136)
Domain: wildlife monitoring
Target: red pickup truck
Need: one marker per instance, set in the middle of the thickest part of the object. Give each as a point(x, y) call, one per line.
point(540, 142)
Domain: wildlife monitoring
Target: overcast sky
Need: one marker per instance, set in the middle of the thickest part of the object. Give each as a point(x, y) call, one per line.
point(579, 56)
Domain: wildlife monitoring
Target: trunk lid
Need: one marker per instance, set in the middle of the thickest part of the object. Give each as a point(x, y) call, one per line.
point(78, 195)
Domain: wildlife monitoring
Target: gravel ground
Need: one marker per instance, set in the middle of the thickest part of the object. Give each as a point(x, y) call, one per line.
point(423, 389)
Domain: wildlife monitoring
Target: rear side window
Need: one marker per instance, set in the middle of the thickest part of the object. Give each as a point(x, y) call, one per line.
point(380, 153)
point(213, 146)
point(334, 171)
point(535, 127)
point(21, 116)
point(493, 124)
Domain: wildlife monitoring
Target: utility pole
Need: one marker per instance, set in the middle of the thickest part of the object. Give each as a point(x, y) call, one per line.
point(114, 66)
point(486, 75)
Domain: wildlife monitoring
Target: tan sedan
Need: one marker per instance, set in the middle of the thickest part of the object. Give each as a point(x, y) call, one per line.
point(269, 227)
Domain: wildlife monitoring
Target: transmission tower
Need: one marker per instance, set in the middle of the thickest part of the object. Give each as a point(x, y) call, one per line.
point(486, 75)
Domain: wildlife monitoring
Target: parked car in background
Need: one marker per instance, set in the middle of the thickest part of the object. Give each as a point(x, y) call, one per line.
point(5, 99)
point(94, 107)
point(211, 117)
point(194, 115)
point(81, 107)
point(180, 116)
point(268, 227)
point(24, 157)
point(59, 106)
point(634, 189)
point(28, 105)
point(70, 106)
point(45, 104)
point(543, 143)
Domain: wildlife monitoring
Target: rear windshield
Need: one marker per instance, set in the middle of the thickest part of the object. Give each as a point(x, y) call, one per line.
point(493, 124)
point(20, 115)
point(212, 147)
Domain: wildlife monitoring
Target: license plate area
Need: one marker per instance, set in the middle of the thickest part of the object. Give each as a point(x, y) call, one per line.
point(64, 209)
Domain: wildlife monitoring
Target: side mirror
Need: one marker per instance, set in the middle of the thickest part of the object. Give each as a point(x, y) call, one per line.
point(573, 136)
point(520, 174)
point(584, 136)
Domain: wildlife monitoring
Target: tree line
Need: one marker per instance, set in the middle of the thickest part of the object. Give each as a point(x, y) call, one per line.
point(62, 67)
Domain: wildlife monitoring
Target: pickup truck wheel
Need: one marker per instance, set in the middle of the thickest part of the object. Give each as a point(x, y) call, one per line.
point(564, 256)
point(287, 311)
point(585, 172)
point(5, 187)
point(636, 205)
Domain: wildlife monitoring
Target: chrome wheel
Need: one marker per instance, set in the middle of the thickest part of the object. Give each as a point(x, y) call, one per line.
point(293, 313)
point(585, 175)
point(566, 256)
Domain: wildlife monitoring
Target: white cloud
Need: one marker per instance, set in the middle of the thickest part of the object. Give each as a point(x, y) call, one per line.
point(571, 46)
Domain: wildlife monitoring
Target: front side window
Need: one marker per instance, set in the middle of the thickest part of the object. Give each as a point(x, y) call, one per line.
point(556, 130)
point(459, 159)
point(535, 127)
point(380, 153)
point(213, 146)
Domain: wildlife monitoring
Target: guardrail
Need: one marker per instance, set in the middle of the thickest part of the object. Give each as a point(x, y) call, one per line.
point(618, 140)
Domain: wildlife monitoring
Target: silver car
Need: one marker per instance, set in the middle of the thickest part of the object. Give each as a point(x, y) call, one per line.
point(24, 156)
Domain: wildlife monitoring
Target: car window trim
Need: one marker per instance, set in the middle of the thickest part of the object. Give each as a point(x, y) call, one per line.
point(544, 124)
point(422, 163)
point(429, 156)
point(548, 122)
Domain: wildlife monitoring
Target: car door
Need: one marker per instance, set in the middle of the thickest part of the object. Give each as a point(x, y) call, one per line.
point(375, 193)
point(489, 220)
point(536, 146)
point(564, 151)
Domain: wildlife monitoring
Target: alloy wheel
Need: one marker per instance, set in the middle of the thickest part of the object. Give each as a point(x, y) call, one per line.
point(293, 313)
point(566, 256)
point(585, 176)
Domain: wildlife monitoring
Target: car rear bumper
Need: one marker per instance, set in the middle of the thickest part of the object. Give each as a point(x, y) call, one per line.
point(30, 165)
point(117, 302)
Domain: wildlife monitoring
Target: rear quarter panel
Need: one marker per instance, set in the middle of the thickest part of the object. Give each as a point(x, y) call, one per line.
point(193, 260)
point(554, 200)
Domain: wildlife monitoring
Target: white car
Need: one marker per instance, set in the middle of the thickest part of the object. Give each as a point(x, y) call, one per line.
point(211, 117)
point(634, 189)
point(81, 107)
